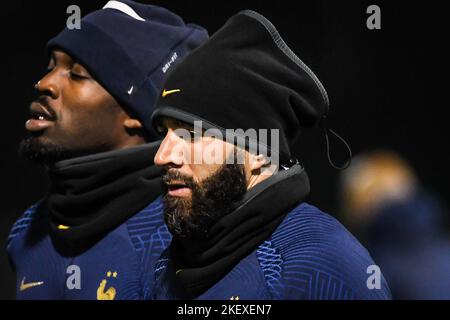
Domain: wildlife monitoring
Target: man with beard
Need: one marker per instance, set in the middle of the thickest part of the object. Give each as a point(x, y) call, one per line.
point(240, 228)
point(99, 229)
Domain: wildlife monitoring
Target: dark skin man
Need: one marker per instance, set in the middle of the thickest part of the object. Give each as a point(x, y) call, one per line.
point(75, 116)
point(99, 228)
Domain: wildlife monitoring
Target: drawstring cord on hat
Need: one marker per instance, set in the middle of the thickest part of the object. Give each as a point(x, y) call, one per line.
point(327, 131)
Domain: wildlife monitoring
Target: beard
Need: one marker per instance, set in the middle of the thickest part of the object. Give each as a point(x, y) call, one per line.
point(46, 153)
point(211, 199)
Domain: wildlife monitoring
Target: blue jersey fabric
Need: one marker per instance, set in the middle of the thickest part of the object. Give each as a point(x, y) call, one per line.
point(309, 256)
point(119, 266)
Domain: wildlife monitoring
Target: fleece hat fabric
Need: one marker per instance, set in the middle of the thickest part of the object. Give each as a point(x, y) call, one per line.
point(129, 48)
point(246, 77)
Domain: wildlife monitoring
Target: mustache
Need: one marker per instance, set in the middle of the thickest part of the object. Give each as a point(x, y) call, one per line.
point(43, 100)
point(170, 175)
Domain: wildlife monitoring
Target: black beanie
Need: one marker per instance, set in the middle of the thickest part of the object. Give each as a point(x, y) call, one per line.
point(245, 77)
point(129, 48)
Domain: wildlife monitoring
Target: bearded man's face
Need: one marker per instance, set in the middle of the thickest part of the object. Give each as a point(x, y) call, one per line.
point(198, 193)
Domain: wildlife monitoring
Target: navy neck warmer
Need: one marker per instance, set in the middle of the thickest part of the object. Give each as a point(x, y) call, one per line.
point(92, 195)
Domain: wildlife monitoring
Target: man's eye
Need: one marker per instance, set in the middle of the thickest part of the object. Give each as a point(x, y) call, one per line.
point(192, 135)
point(161, 129)
point(195, 135)
point(77, 76)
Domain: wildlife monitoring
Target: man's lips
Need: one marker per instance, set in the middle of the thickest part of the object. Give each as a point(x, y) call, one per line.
point(40, 119)
point(178, 189)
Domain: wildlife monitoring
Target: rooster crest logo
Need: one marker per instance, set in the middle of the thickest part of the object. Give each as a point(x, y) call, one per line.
point(110, 293)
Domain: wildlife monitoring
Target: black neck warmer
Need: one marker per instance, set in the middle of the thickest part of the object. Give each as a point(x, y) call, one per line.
point(198, 265)
point(93, 195)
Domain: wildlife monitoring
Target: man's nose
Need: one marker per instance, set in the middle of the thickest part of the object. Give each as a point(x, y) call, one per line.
point(172, 151)
point(48, 85)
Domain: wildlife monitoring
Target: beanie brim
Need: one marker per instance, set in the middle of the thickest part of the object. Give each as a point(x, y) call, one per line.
point(243, 141)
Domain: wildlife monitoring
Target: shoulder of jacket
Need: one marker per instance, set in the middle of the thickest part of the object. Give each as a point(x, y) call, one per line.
point(24, 222)
point(149, 237)
point(147, 227)
point(310, 248)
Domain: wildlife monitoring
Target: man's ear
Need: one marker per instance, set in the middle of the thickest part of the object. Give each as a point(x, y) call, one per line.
point(133, 124)
point(256, 162)
point(259, 169)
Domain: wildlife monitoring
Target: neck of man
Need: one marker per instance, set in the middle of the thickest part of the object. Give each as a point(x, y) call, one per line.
point(92, 195)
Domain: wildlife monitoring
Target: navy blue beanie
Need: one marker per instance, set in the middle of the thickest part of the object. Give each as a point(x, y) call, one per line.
point(129, 48)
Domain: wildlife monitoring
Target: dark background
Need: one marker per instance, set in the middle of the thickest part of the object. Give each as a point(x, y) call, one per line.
point(388, 88)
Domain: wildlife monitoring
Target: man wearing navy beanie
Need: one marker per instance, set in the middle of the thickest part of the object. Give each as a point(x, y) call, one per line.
point(99, 229)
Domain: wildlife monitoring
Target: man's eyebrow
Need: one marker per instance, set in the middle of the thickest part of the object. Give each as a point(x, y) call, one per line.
point(54, 58)
point(164, 122)
point(175, 124)
point(75, 61)
point(182, 124)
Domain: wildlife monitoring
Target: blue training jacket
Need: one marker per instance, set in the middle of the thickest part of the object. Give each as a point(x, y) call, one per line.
point(309, 256)
point(119, 266)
